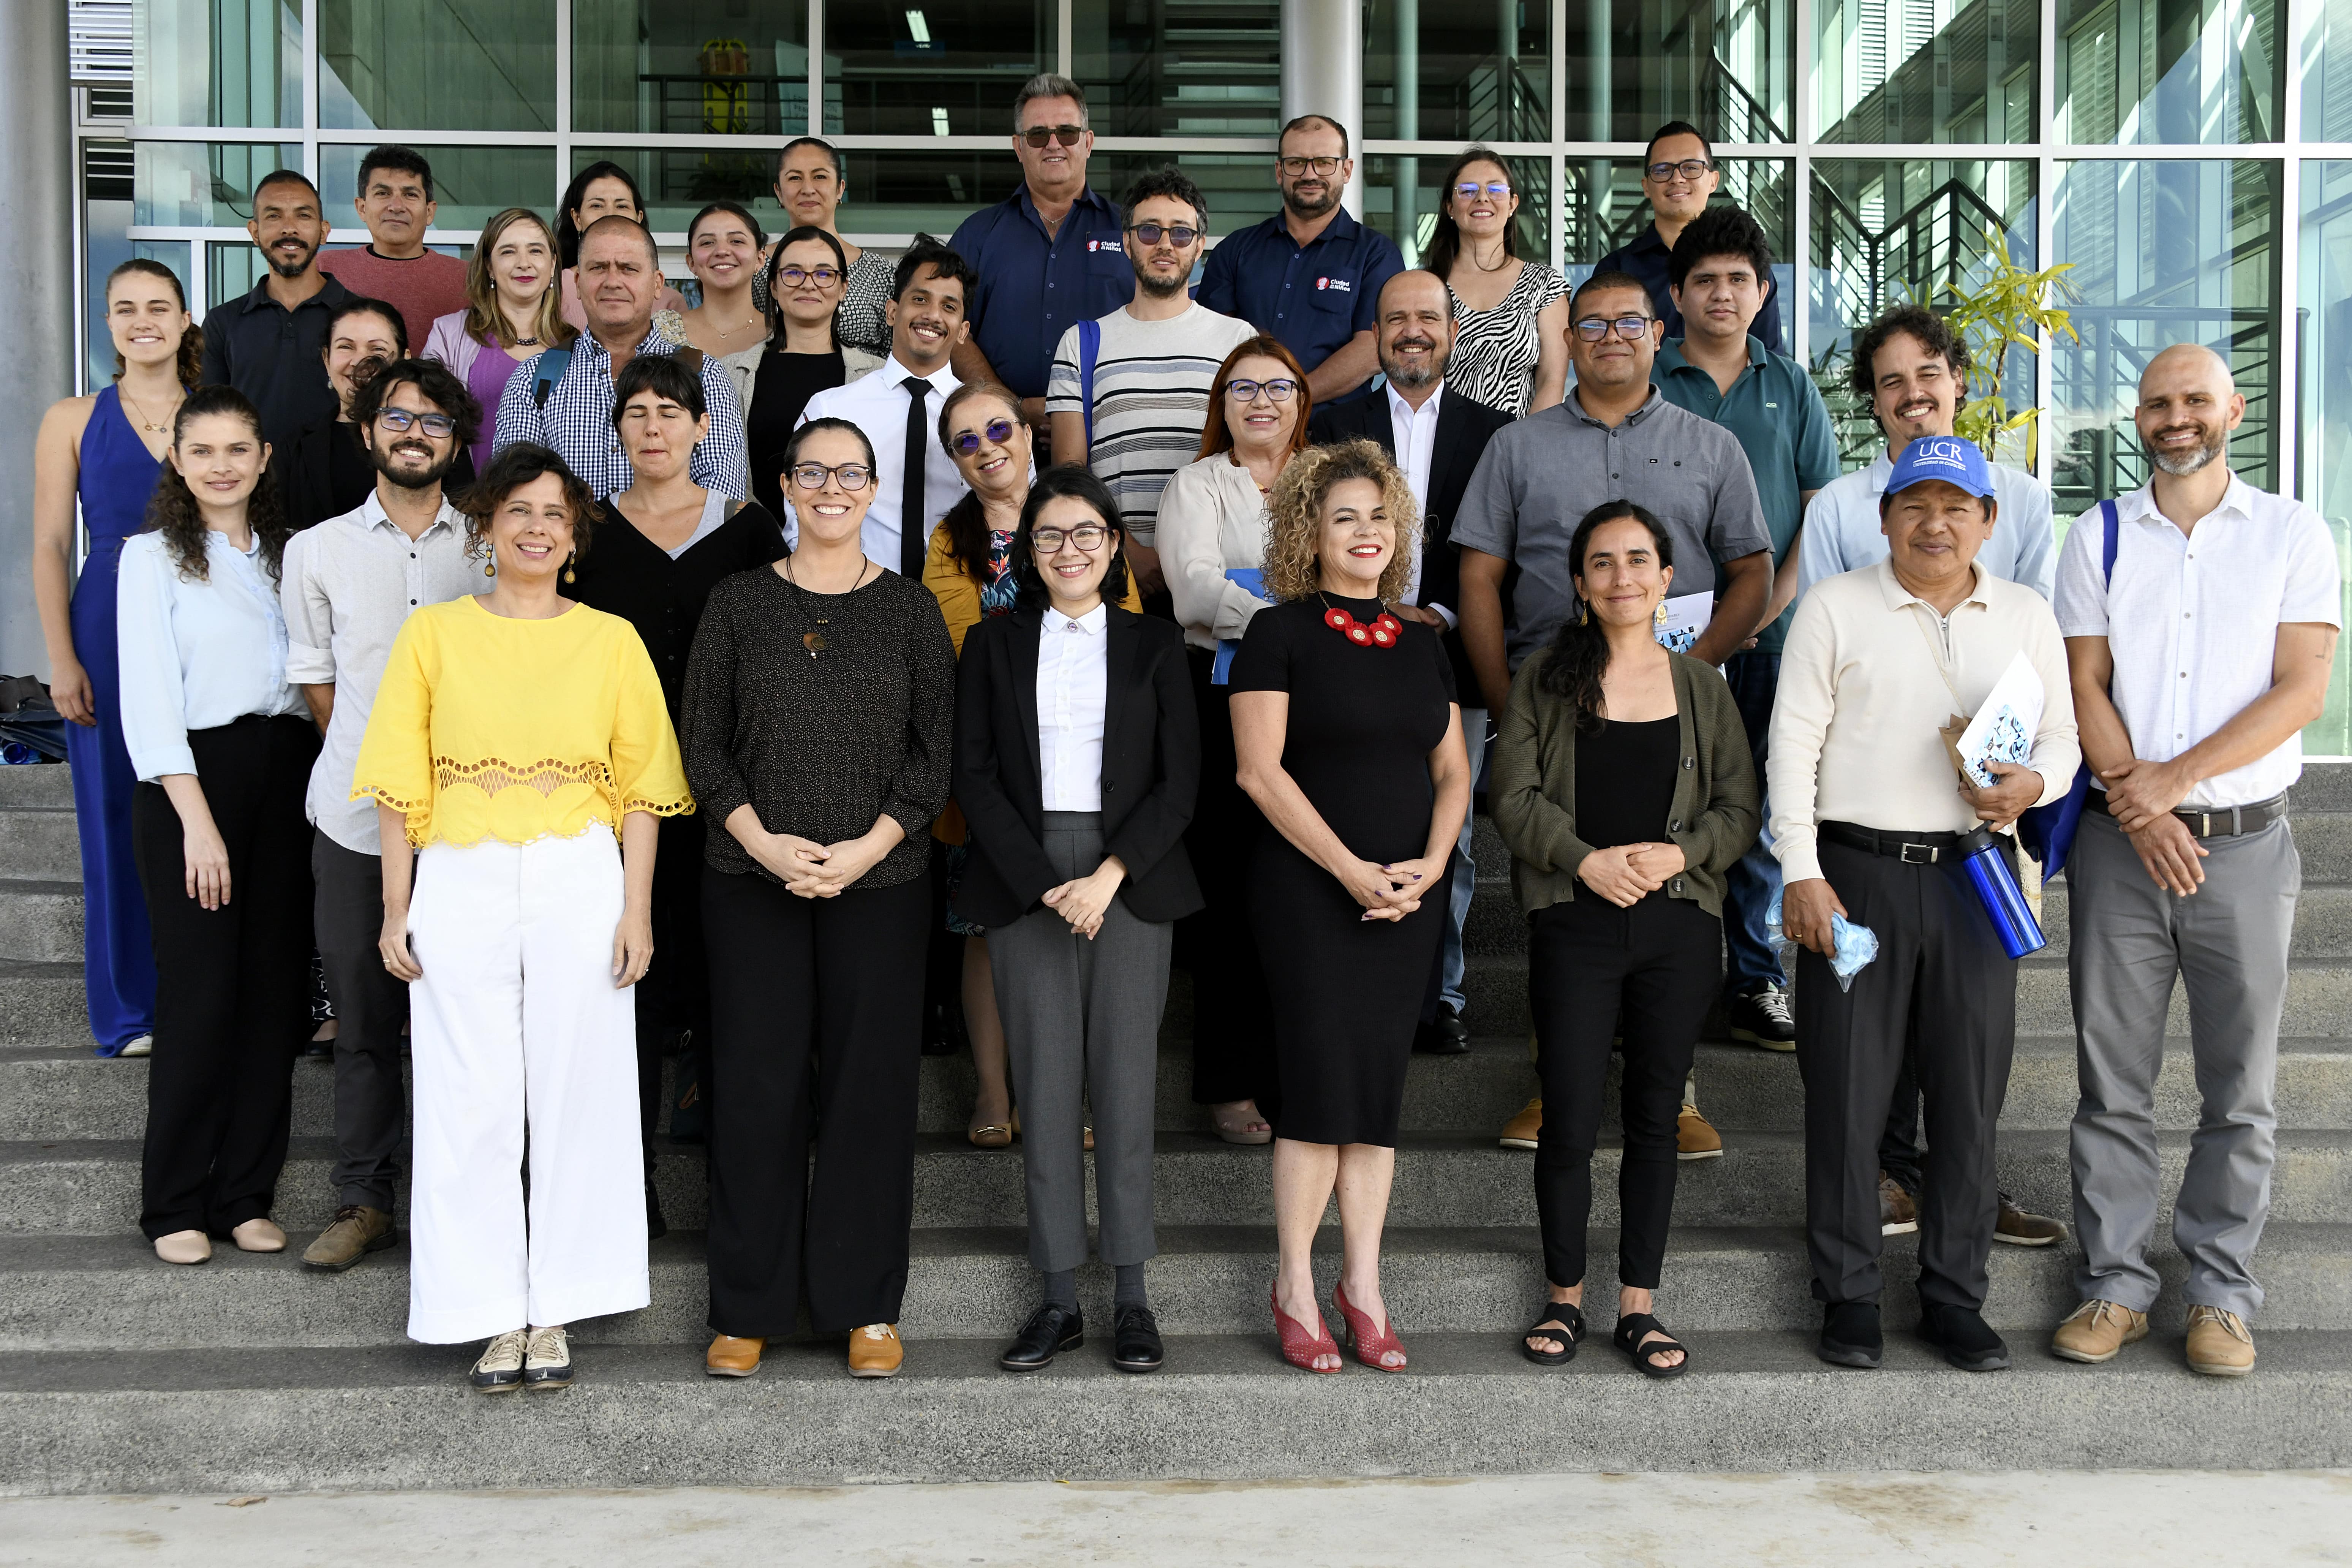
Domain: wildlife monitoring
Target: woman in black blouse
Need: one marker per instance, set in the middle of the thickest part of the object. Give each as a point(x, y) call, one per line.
point(817, 723)
point(1350, 741)
point(803, 355)
point(661, 546)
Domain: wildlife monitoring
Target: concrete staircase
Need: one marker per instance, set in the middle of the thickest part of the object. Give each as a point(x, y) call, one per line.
point(118, 1374)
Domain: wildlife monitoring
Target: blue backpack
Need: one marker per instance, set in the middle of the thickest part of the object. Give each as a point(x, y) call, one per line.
point(2047, 832)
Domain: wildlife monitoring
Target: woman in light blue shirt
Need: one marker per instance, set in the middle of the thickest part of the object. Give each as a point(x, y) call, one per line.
point(223, 754)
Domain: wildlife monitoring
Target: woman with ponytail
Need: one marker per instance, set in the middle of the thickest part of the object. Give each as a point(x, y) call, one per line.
point(1623, 784)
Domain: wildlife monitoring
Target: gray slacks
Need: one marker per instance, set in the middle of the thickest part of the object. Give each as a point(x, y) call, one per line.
point(371, 1005)
point(1082, 1025)
point(2228, 942)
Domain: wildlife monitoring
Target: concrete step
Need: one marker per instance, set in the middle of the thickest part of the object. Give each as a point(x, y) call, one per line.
point(40, 842)
point(2323, 921)
point(42, 1005)
point(1224, 1408)
point(36, 784)
point(40, 922)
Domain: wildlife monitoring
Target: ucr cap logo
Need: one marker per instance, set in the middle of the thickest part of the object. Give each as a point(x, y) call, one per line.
point(1944, 450)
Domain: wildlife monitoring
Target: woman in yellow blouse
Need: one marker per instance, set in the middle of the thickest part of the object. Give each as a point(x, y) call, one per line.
point(514, 736)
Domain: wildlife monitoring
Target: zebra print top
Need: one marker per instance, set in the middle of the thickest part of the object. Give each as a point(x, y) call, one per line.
point(1495, 350)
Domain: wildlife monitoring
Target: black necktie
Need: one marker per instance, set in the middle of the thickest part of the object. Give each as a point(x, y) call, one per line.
point(914, 534)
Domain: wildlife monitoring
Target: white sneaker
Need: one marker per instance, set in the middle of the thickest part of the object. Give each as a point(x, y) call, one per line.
point(500, 1368)
point(549, 1362)
point(144, 1045)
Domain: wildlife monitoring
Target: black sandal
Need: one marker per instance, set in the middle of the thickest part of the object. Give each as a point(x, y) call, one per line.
point(1628, 1338)
point(1551, 1311)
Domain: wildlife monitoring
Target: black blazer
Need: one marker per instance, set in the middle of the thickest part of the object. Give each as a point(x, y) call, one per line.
point(1152, 768)
point(1464, 428)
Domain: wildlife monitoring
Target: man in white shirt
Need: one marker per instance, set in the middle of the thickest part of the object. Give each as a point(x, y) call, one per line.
point(346, 586)
point(1869, 819)
point(2199, 656)
point(915, 481)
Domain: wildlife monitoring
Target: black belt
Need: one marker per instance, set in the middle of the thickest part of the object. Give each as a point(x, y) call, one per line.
point(1911, 848)
point(2224, 822)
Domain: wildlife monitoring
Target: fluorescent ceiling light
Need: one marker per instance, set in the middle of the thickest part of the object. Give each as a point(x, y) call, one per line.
point(920, 28)
point(939, 122)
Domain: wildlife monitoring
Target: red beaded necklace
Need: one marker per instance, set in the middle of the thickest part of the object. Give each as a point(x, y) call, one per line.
point(1382, 633)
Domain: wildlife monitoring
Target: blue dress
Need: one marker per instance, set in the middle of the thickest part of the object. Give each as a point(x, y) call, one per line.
point(118, 475)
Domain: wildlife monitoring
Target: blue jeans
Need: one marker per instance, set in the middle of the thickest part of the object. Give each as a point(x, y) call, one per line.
point(1755, 877)
point(1465, 875)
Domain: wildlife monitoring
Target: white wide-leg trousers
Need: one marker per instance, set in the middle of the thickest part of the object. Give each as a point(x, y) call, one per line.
point(517, 1023)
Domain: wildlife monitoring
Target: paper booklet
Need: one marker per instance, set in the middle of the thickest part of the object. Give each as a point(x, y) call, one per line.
point(1681, 619)
point(2004, 726)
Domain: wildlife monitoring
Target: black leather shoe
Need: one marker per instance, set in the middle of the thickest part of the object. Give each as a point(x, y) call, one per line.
point(1964, 1337)
point(1135, 1340)
point(1445, 1035)
point(1850, 1335)
point(1050, 1330)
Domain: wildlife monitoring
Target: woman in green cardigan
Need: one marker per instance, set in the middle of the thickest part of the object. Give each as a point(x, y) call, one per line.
point(1623, 783)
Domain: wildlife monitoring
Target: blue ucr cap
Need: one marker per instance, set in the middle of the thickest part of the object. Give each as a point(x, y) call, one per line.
point(1951, 458)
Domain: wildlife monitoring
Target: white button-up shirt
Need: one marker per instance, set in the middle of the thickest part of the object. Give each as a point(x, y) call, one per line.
point(195, 655)
point(876, 403)
point(2192, 620)
point(1417, 453)
point(1840, 530)
point(347, 586)
point(1073, 683)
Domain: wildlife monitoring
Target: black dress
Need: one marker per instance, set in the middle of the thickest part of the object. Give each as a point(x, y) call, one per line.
point(781, 388)
point(1345, 992)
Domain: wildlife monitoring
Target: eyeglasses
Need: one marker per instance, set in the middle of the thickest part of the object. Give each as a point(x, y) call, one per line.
point(1468, 189)
point(998, 431)
point(1247, 391)
point(1295, 167)
point(1592, 329)
point(1087, 536)
point(1689, 169)
point(1067, 136)
point(435, 425)
point(1180, 235)
point(812, 476)
point(793, 276)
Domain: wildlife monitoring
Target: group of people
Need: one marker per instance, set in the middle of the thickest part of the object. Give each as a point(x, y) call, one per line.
point(980, 633)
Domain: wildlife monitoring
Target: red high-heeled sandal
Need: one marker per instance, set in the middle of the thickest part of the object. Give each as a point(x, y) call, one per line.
point(1369, 1343)
point(1300, 1348)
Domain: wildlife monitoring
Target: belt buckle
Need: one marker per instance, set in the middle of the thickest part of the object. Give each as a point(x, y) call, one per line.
point(1926, 854)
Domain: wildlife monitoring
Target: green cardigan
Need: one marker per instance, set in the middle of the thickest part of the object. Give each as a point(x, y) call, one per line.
point(1531, 792)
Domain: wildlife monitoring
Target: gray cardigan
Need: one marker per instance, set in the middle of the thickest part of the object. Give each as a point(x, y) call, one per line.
point(1532, 790)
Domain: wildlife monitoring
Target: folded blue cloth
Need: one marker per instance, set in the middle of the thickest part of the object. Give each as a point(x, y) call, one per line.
point(1851, 946)
point(1254, 579)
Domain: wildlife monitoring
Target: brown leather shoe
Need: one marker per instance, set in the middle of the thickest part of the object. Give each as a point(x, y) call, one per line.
point(2019, 1228)
point(1522, 1130)
point(876, 1350)
point(2095, 1330)
point(1898, 1215)
point(1695, 1139)
point(732, 1357)
point(358, 1230)
point(2220, 1344)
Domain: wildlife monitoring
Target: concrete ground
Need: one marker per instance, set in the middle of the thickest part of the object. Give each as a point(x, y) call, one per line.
point(1857, 1521)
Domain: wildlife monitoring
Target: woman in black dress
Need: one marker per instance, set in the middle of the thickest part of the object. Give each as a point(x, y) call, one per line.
point(803, 354)
point(661, 546)
point(1350, 741)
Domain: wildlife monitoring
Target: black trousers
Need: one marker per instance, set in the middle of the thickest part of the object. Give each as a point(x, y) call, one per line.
point(816, 1006)
point(232, 998)
point(1596, 971)
point(1232, 1019)
point(371, 1004)
point(674, 993)
point(1941, 989)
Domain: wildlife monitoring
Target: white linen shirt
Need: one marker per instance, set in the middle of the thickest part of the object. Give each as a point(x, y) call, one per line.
point(195, 655)
point(1073, 684)
point(1417, 453)
point(1840, 531)
point(876, 403)
point(2192, 620)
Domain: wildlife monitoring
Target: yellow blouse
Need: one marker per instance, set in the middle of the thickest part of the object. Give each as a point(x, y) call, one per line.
point(488, 727)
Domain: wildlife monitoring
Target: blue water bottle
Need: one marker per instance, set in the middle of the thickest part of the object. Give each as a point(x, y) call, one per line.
point(1997, 889)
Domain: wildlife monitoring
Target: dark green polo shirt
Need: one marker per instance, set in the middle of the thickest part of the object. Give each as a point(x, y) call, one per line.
point(1777, 416)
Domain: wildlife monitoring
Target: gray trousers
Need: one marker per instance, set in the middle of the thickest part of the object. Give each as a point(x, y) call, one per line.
point(1082, 1023)
point(2228, 942)
point(370, 1007)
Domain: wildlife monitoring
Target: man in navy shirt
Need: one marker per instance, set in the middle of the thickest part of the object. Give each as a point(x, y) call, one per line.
point(1311, 275)
point(1679, 174)
point(1048, 257)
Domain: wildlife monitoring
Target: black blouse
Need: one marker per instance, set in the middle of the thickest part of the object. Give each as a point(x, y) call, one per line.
point(781, 388)
point(1625, 775)
point(626, 575)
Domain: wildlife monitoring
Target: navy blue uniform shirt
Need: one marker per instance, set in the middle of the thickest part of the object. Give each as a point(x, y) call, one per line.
point(1646, 259)
point(1311, 300)
point(1034, 287)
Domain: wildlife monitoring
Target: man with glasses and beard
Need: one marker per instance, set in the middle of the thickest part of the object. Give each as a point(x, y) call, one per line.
point(346, 586)
point(2200, 616)
point(269, 342)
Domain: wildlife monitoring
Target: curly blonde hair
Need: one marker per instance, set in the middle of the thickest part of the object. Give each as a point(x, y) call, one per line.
point(1294, 522)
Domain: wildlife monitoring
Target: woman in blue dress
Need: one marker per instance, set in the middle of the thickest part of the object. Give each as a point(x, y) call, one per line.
point(104, 453)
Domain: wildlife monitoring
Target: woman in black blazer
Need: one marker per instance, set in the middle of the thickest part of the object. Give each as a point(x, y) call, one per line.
point(1077, 755)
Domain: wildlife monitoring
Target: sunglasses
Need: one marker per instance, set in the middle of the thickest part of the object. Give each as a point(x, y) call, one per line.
point(1087, 536)
point(1247, 391)
point(1689, 169)
point(1180, 235)
point(1468, 189)
point(812, 476)
point(1592, 329)
point(998, 431)
point(400, 419)
point(793, 276)
point(1067, 136)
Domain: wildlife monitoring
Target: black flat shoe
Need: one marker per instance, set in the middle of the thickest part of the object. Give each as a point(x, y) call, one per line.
point(1050, 1330)
point(1551, 1311)
point(1445, 1035)
point(1135, 1340)
point(1850, 1335)
point(1627, 1337)
point(1964, 1337)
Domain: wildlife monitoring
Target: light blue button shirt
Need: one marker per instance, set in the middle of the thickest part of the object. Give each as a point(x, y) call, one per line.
point(1842, 531)
point(195, 655)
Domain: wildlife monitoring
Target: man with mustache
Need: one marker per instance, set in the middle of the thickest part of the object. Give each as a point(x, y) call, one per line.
point(267, 345)
point(1436, 436)
point(2200, 616)
point(395, 202)
point(346, 586)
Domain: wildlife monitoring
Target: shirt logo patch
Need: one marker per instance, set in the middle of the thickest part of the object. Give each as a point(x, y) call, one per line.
point(1093, 246)
point(1338, 285)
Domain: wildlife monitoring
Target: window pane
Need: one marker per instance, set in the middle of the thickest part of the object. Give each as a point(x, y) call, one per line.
point(180, 184)
point(1204, 68)
point(678, 182)
point(2178, 251)
point(2189, 70)
point(2326, 355)
point(1934, 72)
point(642, 67)
point(484, 65)
point(1603, 209)
point(1724, 65)
point(1888, 232)
point(469, 184)
point(1477, 72)
point(231, 269)
point(1402, 196)
point(935, 68)
point(2326, 55)
point(217, 62)
point(1239, 190)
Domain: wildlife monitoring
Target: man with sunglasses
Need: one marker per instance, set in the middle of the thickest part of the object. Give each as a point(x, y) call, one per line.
point(1679, 176)
point(347, 584)
point(1310, 276)
point(1045, 258)
point(1132, 405)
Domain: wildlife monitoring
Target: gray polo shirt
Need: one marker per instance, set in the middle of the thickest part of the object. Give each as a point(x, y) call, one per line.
point(1541, 474)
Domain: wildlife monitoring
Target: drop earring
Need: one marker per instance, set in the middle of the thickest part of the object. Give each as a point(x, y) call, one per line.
point(490, 564)
point(567, 565)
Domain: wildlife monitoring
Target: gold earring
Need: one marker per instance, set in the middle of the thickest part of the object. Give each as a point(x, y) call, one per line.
point(490, 564)
point(567, 565)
